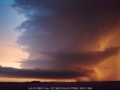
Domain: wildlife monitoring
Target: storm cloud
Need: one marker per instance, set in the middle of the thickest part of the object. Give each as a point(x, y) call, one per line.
point(67, 34)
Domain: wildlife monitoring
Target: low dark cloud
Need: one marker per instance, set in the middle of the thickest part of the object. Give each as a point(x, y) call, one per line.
point(42, 74)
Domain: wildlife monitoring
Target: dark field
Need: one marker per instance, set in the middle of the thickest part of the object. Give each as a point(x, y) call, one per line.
point(113, 85)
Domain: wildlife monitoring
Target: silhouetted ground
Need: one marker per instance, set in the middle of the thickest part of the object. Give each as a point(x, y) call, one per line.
point(112, 85)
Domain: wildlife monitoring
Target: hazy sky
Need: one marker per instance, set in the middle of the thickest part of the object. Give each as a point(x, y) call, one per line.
point(63, 40)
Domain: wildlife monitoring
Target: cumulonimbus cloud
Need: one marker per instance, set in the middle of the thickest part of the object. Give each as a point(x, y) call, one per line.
point(69, 26)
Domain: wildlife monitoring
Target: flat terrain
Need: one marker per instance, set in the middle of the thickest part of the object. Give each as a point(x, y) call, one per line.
point(112, 85)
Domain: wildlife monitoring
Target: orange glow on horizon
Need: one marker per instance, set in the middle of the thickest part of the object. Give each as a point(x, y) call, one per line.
point(9, 56)
point(4, 79)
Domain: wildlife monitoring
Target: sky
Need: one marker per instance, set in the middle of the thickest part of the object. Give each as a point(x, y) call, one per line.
point(59, 40)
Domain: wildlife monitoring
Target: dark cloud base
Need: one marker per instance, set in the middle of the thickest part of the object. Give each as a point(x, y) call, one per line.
point(42, 74)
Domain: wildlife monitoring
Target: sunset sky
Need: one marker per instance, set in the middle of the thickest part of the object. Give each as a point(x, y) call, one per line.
point(59, 40)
